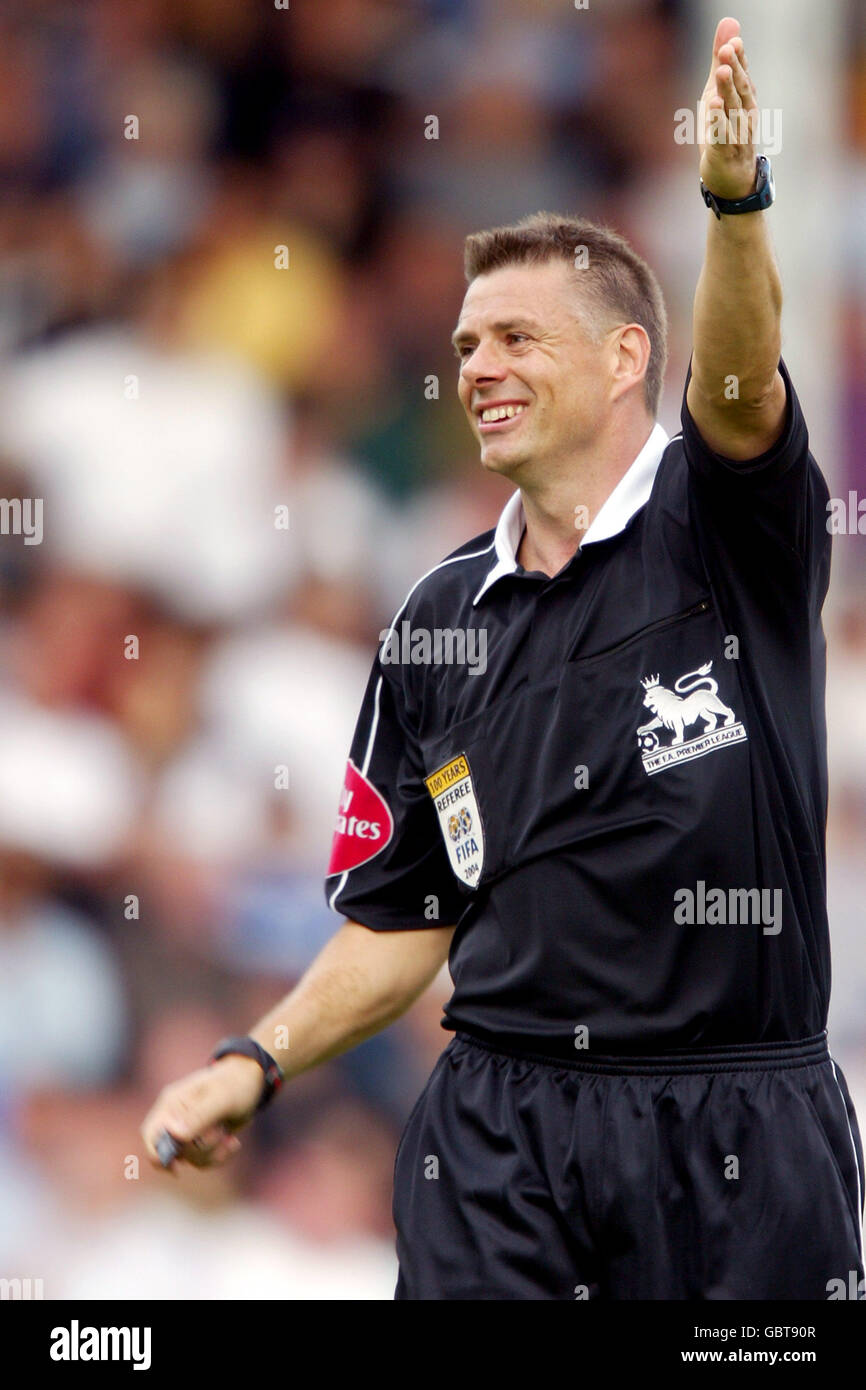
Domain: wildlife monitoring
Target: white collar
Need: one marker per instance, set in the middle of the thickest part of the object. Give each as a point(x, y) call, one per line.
point(630, 494)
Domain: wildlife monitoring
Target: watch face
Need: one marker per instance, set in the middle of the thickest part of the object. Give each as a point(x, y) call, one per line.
point(765, 188)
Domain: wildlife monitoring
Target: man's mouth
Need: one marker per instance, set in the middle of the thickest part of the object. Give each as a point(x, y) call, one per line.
point(495, 418)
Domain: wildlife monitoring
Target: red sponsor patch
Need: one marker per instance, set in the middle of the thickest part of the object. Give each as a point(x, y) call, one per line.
point(364, 823)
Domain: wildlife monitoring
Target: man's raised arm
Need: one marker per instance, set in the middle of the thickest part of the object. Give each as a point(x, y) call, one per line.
point(736, 394)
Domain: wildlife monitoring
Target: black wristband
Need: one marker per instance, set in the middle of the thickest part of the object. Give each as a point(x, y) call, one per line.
point(763, 196)
point(248, 1047)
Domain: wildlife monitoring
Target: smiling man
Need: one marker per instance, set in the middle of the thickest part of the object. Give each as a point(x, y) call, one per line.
point(560, 386)
point(638, 1101)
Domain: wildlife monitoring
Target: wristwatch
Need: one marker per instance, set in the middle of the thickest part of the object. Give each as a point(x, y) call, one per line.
point(765, 192)
point(248, 1047)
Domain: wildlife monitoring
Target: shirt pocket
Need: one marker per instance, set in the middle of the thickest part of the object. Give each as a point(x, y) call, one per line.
point(624, 752)
point(653, 732)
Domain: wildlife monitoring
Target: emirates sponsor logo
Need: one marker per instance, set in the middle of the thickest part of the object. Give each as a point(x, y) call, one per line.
point(364, 823)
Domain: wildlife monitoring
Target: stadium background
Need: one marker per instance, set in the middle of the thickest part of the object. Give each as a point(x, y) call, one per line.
point(163, 388)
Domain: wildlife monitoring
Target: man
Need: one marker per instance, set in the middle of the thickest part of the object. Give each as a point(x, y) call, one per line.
point(594, 740)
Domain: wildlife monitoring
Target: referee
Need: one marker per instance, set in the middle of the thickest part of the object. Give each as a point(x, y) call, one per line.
point(590, 771)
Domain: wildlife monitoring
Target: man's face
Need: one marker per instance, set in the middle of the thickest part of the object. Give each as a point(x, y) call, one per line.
point(533, 386)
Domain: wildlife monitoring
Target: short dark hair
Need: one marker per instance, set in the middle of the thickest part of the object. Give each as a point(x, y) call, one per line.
point(617, 286)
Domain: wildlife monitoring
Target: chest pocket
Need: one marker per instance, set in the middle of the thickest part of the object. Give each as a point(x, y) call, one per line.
point(643, 737)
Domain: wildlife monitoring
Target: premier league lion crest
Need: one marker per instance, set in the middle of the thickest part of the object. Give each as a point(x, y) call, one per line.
point(694, 699)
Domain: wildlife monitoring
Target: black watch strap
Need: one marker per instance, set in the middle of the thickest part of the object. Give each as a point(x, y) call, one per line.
point(765, 192)
point(248, 1047)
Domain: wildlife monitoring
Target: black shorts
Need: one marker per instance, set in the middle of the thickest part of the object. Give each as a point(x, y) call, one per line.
point(734, 1173)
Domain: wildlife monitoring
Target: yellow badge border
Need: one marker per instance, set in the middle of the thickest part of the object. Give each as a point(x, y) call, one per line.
point(457, 769)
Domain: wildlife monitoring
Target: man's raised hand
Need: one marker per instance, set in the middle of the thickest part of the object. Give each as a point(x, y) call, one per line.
point(729, 117)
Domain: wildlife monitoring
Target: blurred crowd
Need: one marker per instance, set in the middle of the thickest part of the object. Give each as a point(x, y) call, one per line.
point(230, 263)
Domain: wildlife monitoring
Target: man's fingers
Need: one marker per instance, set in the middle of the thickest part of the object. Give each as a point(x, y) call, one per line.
point(198, 1152)
point(201, 1112)
point(726, 29)
point(159, 1141)
point(742, 81)
point(226, 1148)
point(175, 1116)
point(211, 1138)
point(726, 87)
point(740, 49)
point(212, 1146)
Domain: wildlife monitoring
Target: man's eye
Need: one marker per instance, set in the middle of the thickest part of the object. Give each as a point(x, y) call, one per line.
point(463, 351)
point(517, 337)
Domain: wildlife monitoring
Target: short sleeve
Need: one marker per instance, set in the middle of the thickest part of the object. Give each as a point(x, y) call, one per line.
point(765, 510)
point(389, 869)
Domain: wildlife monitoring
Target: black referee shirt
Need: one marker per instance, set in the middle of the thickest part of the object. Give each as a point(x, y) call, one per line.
point(613, 780)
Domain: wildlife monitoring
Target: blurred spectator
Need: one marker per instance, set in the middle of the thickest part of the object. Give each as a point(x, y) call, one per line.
point(62, 1009)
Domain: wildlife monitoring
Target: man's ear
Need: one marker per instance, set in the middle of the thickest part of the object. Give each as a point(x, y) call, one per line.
point(631, 350)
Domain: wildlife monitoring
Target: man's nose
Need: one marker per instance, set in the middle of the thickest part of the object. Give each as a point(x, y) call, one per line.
point(483, 365)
